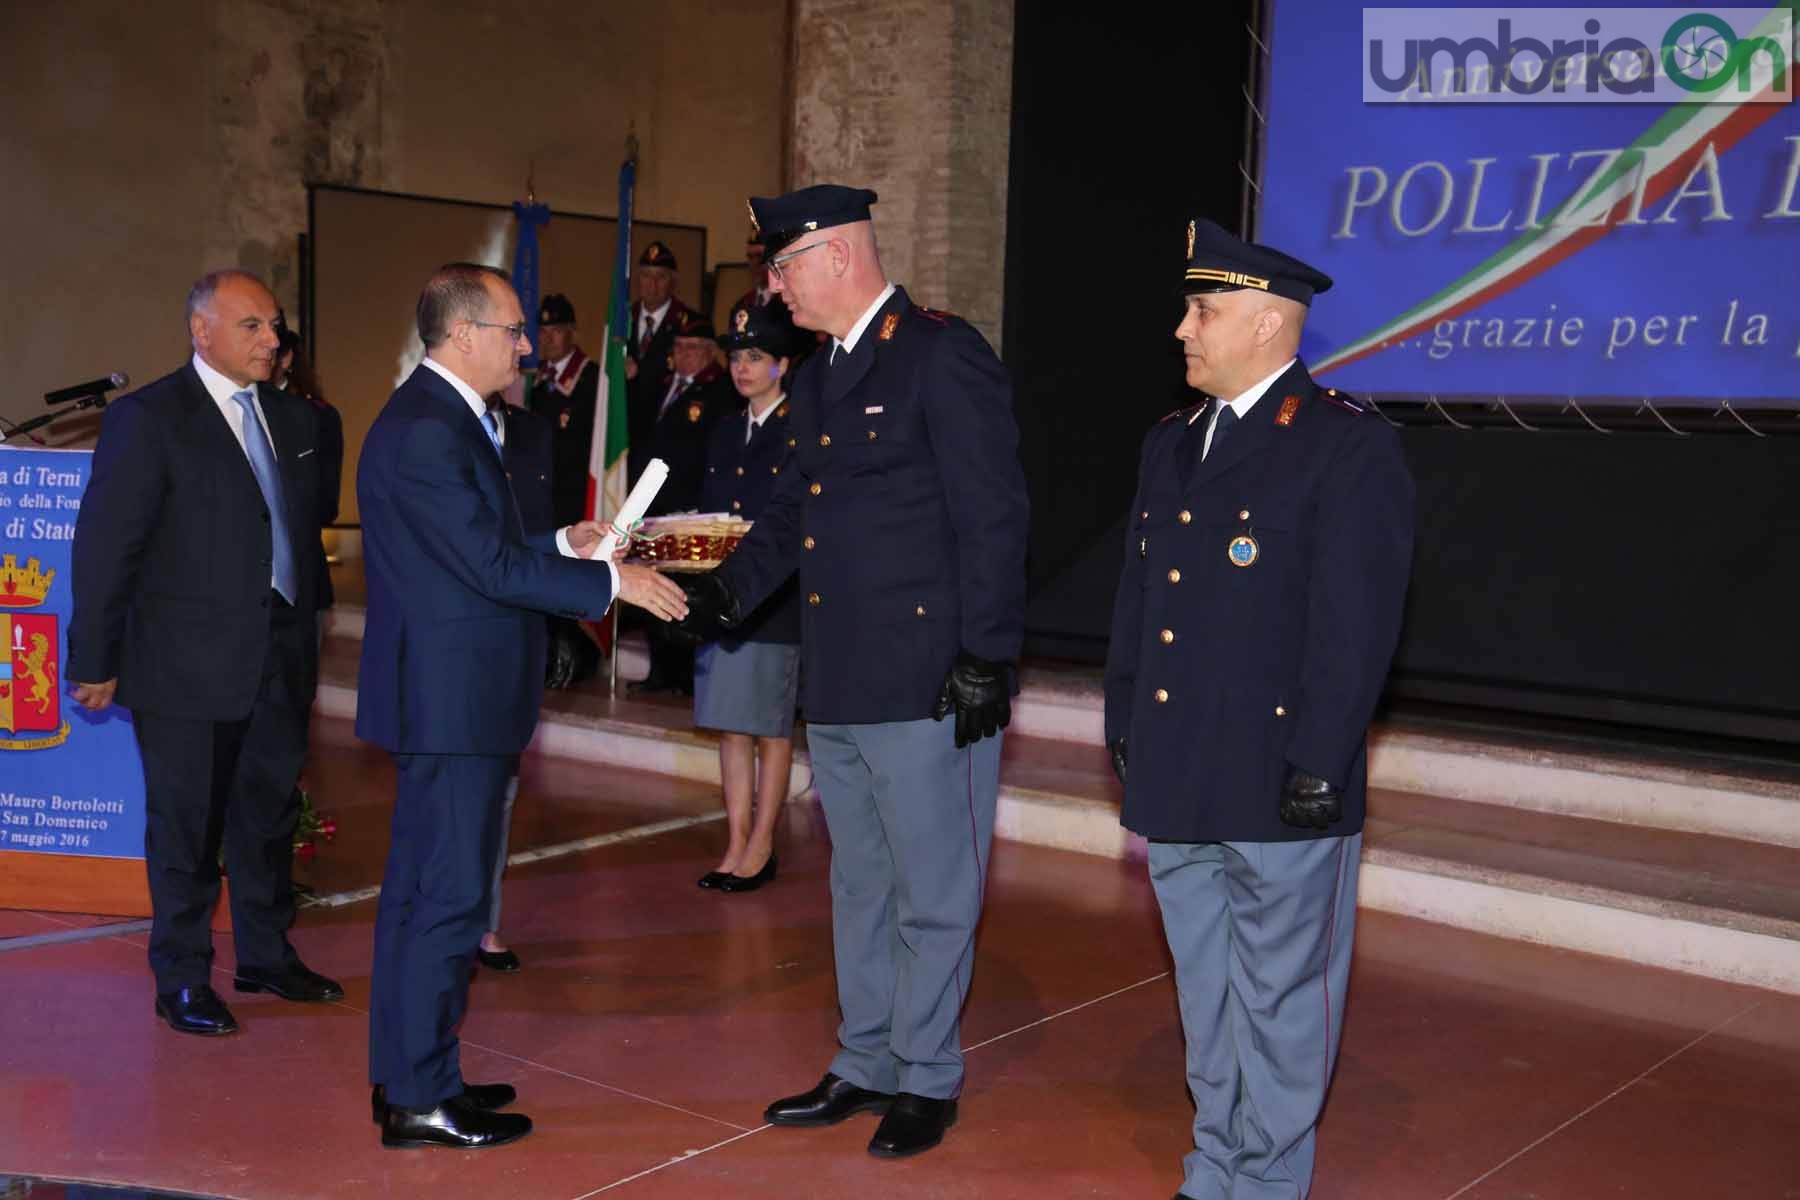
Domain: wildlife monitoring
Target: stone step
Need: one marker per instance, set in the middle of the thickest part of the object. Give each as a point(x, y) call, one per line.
point(1064, 703)
point(1694, 902)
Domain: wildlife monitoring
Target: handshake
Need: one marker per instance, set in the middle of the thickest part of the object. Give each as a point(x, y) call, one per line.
point(979, 692)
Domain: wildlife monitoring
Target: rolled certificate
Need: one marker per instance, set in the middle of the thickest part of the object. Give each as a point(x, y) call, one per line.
point(636, 505)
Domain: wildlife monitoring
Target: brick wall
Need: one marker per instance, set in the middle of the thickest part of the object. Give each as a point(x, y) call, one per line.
point(913, 99)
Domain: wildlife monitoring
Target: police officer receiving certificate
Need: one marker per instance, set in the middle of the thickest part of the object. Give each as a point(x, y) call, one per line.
point(1266, 566)
point(905, 514)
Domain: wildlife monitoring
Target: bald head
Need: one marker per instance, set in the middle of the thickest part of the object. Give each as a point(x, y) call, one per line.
point(829, 277)
point(1232, 339)
point(233, 323)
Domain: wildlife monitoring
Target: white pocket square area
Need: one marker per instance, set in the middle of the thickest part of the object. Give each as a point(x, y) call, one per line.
point(872, 410)
point(304, 453)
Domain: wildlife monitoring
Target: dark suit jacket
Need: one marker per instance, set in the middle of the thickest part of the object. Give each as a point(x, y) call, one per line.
point(740, 478)
point(645, 391)
point(682, 434)
point(569, 423)
point(906, 515)
point(527, 459)
point(331, 481)
point(453, 651)
point(1224, 671)
point(172, 551)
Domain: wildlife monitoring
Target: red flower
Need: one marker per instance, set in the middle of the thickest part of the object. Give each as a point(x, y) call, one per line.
point(305, 852)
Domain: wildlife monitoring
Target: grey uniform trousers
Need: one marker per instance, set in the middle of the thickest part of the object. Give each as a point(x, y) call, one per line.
point(911, 820)
point(1261, 935)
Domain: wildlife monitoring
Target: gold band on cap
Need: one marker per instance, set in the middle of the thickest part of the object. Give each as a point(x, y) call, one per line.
point(1233, 278)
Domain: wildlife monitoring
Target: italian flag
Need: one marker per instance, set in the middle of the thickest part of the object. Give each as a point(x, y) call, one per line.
point(606, 456)
point(1668, 156)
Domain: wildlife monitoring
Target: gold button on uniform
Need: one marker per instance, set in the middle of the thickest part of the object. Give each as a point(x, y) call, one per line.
point(824, 439)
point(740, 470)
point(774, 470)
point(1162, 695)
point(1184, 516)
point(919, 611)
point(812, 598)
point(809, 543)
point(871, 435)
point(815, 489)
point(735, 505)
point(1280, 711)
point(1167, 635)
point(1243, 514)
point(1174, 575)
point(792, 443)
point(1144, 516)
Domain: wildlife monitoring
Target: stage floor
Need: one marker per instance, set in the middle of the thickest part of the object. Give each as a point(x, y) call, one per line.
point(653, 1021)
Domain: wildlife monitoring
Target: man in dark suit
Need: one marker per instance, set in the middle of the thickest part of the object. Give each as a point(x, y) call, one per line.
point(196, 576)
point(564, 393)
point(1265, 571)
point(656, 315)
point(905, 515)
point(452, 676)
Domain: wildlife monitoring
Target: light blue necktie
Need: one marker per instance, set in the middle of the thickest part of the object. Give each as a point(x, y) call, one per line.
point(493, 431)
point(268, 478)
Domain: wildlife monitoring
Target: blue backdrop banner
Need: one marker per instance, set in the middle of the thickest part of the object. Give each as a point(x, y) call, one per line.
point(70, 780)
point(1501, 224)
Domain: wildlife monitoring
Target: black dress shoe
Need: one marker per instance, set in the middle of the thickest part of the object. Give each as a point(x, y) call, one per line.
point(913, 1125)
point(295, 982)
point(196, 1010)
point(504, 961)
point(830, 1102)
point(455, 1123)
point(485, 1096)
point(712, 879)
point(749, 883)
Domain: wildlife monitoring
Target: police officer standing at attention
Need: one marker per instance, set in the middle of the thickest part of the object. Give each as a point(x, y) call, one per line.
point(905, 515)
point(1265, 572)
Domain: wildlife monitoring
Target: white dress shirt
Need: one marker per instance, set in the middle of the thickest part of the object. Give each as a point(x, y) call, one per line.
point(849, 340)
point(1245, 401)
point(478, 406)
point(754, 420)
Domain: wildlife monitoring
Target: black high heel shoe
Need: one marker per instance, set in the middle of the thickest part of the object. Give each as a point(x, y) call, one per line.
point(712, 879)
point(749, 883)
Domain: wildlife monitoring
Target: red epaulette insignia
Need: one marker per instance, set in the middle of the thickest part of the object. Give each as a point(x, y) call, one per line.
point(1342, 401)
point(1289, 407)
point(932, 314)
point(889, 323)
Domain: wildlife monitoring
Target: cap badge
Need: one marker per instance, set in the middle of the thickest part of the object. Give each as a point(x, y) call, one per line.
point(694, 413)
point(1289, 407)
point(742, 321)
point(1190, 250)
point(888, 324)
point(1242, 551)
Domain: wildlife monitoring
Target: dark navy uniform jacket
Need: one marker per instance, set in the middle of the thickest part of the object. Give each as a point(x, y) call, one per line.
point(1222, 675)
point(570, 422)
point(906, 515)
point(683, 432)
point(740, 478)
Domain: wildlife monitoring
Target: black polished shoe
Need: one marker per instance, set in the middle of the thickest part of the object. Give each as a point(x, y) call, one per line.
point(503, 961)
point(913, 1125)
point(749, 883)
point(196, 1010)
point(296, 983)
point(455, 1123)
point(712, 879)
point(830, 1102)
point(485, 1096)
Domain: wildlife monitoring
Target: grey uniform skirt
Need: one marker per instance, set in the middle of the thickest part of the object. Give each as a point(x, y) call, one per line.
point(750, 688)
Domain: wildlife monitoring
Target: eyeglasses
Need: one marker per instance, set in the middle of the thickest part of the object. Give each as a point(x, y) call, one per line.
point(778, 264)
point(516, 331)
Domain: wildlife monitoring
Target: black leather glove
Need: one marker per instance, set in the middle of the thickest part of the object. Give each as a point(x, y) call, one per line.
point(981, 693)
point(1118, 758)
point(1308, 802)
point(712, 609)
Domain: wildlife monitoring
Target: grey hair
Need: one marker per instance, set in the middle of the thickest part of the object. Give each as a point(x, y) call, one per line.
point(200, 296)
point(455, 292)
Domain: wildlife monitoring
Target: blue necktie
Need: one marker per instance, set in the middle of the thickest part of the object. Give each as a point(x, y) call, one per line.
point(1226, 419)
point(493, 431)
point(268, 478)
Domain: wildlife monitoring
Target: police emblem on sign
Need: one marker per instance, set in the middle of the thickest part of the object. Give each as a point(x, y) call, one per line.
point(30, 659)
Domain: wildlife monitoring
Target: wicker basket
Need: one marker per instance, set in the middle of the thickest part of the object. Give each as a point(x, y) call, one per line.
point(689, 542)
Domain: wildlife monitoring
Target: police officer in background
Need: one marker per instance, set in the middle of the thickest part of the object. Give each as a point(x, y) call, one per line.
point(905, 514)
point(1265, 571)
point(564, 394)
point(656, 315)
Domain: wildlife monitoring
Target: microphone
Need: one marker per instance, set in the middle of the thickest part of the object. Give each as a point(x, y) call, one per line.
point(93, 387)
